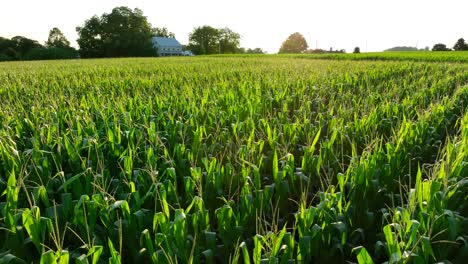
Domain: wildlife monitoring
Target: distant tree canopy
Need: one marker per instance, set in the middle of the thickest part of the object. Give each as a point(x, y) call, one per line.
point(21, 48)
point(357, 50)
point(405, 48)
point(460, 45)
point(122, 33)
point(315, 51)
point(162, 32)
point(8, 50)
point(295, 43)
point(440, 47)
point(57, 47)
point(204, 40)
point(255, 51)
point(57, 39)
point(402, 48)
point(209, 40)
point(229, 40)
point(23, 45)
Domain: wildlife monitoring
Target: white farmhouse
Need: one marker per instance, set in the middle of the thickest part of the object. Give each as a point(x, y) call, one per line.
point(167, 46)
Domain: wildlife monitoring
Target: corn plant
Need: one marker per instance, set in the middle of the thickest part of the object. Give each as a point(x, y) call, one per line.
point(242, 159)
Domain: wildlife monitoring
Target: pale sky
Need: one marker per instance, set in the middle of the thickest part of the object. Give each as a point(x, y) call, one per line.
point(340, 24)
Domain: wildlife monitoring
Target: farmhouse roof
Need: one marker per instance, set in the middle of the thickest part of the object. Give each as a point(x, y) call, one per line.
point(166, 41)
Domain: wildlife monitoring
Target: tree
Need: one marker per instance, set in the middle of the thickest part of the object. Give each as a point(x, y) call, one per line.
point(90, 38)
point(460, 45)
point(22, 46)
point(209, 40)
point(295, 43)
point(229, 41)
point(57, 39)
point(7, 50)
point(357, 50)
point(204, 40)
point(255, 51)
point(402, 48)
point(122, 33)
point(440, 47)
point(315, 51)
point(162, 32)
point(58, 47)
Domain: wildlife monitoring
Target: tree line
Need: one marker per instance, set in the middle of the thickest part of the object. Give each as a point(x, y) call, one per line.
point(460, 45)
point(296, 43)
point(22, 48)
point(127, 33)
point(121, 33)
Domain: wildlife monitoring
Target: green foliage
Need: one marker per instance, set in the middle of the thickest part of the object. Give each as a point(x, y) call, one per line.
point(419, 56)
point(255, 51)
point(241, 159)
point(363, 256)
point(17, 48)
point(295, 43)
point(57, 39)
point(403, 48)
point(229, 41)
point(20, 48)
point(440, 47)
point(51, 53)
point(122, 33)
point(162, 32)
point(208, 40)
point(460, 45)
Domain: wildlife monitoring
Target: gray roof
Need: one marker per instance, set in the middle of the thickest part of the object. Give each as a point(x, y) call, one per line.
point(166, 41)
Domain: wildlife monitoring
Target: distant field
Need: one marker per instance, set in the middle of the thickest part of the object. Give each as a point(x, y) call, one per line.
point(428, 56)
point(242, 159)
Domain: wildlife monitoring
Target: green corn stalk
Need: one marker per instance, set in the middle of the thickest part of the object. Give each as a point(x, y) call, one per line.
point(36, 226)
point(11, 192)
point(362, 255)
point(115, 256)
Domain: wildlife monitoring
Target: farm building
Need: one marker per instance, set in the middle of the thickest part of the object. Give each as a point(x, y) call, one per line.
point(167, 46)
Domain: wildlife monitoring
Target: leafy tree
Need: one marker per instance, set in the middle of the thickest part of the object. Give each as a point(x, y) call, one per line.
point(122, 33)
point(204, 40)
point(255, 51)
point(4, 57)
point(21, 48)
point(229, 41)
point(357, 50)
point(7, 50)
point(5, 43)
point(57, 39)
point(51, 53)
point(460, 45)
point(162, 32)
point(315, 51)
point(440, 47)
point(58, 47)
point(209, 40)
point(90, 38)
point(295, 43)
point(22, 45)
point(17, 47)
point(402, 48)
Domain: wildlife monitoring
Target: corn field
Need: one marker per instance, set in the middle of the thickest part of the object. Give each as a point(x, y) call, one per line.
point(261, 159)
